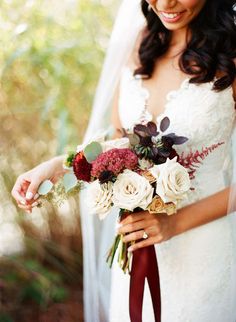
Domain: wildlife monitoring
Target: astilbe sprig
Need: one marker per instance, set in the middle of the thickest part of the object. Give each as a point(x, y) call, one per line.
point(192, 160)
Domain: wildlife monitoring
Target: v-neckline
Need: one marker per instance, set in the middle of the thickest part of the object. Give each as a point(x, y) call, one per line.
point(168, 97)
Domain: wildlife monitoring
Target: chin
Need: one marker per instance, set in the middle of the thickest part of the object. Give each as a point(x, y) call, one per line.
point(173, 27)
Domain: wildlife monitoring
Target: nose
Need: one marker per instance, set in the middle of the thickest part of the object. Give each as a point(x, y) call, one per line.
point(164, 4)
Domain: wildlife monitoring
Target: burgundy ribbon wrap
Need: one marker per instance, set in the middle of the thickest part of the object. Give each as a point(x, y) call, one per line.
point(144, 265)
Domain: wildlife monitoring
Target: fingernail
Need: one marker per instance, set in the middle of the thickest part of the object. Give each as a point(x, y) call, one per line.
point(130, 249)
point(23, 202)
point(29, 195)
point(118, 225)
point(34, 204)
point(28, 211)
point(36, 196)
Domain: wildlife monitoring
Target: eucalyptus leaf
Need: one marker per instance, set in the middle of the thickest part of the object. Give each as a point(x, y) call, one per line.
point(45, 187)
point(92, 151)
point(69, 181)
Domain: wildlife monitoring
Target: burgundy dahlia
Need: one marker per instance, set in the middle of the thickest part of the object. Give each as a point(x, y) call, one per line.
point(114, 161)
point(81, 167)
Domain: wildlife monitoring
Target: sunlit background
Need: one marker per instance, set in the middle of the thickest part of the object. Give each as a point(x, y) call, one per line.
point(50, 58)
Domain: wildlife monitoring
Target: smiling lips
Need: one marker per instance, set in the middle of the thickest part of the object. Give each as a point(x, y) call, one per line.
point(171, 16)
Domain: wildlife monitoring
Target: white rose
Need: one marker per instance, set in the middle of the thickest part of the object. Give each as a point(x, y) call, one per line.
point(122, 143)
point(172, 180)
point(131, 191)
point(99, 198)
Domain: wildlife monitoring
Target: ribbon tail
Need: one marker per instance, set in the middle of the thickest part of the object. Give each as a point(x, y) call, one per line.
point(144, 265)
point(154, 282)
point(137, 282)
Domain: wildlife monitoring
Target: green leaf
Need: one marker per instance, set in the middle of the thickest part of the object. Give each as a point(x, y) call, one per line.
point(69, 159)
point(92, 151)
point(133, 139)
point(45, 187)
point(69, 181)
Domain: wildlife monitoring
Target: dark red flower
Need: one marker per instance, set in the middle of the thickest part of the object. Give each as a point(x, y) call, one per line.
point(81, 167)
point(173, 154)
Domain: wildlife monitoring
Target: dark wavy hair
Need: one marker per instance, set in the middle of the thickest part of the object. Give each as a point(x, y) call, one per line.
point(211, 49)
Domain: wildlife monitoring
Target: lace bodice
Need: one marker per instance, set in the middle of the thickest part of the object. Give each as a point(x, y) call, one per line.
point(204, 116)
point(197, 268)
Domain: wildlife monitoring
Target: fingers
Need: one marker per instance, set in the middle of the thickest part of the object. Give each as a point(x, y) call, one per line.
point(141, 224)
point(152, 231)
point(24, 193)
point(144, 243)
point(133, 217)
point(133, 236)
point(29, 206)
point(17, 191)
point(31, 192)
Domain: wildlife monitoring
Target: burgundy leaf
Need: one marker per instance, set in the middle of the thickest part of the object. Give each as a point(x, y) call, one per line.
point(164, 153)
point(170, 135)
point(173, 154)
point(179, 140)
point(165, 123)
point(140, 127)
point(152, 128)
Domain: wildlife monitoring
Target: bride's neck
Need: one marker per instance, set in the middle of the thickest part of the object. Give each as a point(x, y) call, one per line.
point(179, 39)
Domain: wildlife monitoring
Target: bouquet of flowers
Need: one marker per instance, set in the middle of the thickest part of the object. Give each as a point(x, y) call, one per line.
point(140, 171)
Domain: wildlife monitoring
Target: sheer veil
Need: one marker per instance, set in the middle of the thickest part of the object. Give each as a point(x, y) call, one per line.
point(98, 236)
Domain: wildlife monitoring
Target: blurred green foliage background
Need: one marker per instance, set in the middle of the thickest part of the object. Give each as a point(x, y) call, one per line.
point(50, 59)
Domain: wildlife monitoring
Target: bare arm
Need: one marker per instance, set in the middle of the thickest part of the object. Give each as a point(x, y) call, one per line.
point(201, 212)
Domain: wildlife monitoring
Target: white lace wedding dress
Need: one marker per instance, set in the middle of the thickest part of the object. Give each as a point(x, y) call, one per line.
point(197, 268)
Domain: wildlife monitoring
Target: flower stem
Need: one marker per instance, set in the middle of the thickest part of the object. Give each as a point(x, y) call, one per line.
point(111, 254)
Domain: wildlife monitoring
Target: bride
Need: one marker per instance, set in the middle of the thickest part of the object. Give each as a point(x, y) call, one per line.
point(178, 62)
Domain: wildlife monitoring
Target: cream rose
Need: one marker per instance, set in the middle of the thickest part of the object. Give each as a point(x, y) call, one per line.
point(122, 143)
point(172, 180)
point(131, 191)
point(99, 198)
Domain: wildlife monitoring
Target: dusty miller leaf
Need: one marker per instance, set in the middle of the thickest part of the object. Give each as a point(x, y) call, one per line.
point(92, 151)
point(45, 187)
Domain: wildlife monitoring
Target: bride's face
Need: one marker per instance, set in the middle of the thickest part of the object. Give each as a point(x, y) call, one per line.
point(176, 14)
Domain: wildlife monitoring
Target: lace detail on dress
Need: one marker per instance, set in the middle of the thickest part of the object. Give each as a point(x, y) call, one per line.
point(195, 111)
point(197, 267)
point(145, 116)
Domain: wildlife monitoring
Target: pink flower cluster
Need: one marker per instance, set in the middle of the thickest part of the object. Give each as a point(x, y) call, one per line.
point(114, 160)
